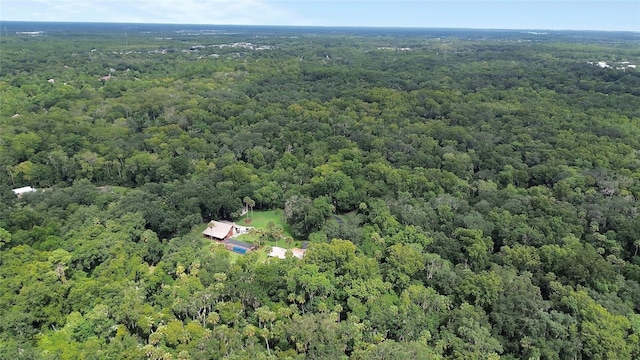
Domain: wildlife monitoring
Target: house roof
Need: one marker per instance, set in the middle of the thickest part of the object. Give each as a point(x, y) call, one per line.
point(278, 252)
point(217, 230)
point(243, 244)
point(22, 190)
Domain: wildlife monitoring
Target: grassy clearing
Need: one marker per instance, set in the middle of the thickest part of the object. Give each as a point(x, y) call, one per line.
point(281, 243)
point(259, 219)
point(121, 190)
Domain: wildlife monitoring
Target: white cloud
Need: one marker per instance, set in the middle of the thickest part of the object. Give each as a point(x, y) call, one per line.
point(241, 12)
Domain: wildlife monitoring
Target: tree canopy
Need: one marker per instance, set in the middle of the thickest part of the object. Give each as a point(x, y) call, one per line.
point(465, 194)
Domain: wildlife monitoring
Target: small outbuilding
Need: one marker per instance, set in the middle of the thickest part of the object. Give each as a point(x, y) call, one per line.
point(299, 253)
point(238, 246)
point(281, 253)
point(278, 252)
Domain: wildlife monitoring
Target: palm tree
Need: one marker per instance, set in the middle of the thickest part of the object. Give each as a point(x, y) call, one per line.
point(289, 241)
point(261, 236)
point(262, 240)
point(245, 201)
point(277, 233)
point(249, 203)
point(210, 225)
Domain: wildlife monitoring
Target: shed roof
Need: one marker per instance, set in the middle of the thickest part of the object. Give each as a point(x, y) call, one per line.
point(299, 253)
point(240, 243)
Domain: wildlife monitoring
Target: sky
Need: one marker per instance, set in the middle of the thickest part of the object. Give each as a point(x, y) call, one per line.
point(616, 15)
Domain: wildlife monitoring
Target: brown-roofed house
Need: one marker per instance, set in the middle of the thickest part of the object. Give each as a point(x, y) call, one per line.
point(218, 231)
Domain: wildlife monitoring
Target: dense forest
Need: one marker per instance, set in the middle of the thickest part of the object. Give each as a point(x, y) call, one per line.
point(465, 194)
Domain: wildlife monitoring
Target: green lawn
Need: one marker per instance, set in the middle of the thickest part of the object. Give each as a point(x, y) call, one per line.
point(259, 219)
point(116, 189)
point(252, 238)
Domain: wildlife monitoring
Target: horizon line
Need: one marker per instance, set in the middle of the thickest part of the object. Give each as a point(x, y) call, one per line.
point(320, 26)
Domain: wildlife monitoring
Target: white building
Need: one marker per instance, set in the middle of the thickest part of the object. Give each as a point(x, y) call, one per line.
point(278, 252)
point(23, 190)
point(281, 253)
